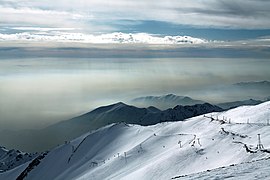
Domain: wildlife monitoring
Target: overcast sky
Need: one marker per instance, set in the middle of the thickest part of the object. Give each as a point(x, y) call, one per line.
point(211, 19)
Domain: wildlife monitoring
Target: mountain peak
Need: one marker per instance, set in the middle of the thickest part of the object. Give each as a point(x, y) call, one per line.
point(170, 95)
point(120, 104)
point(165, 101)
point(108, 108)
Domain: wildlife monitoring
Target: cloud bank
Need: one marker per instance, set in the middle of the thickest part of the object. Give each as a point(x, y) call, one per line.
point(110, 38)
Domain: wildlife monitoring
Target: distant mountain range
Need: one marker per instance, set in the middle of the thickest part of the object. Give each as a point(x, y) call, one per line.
point(259, 89)
point(230, 105)
point(267, 98)
point(165, 101)
point(119, 112)
point(253, 84)
point(172, 100)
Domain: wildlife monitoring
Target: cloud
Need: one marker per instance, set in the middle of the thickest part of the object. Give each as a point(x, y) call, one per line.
point(12, 16)
point(137, 38)
point(46, 18)
point(95, 15)
point(41, 29)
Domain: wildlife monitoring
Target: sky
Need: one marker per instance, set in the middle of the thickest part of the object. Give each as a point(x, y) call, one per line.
point(62, 58)
point(172, 28)
point(210, 20)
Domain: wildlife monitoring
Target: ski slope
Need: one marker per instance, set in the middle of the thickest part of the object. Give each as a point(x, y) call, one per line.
point(248, 170)
point(162, 151)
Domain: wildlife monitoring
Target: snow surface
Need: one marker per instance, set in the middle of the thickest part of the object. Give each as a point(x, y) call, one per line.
point(259, 169)
point(162, 151)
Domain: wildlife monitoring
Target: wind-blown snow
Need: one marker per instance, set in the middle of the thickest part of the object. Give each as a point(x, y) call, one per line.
point(162, 151)
point(117, 37)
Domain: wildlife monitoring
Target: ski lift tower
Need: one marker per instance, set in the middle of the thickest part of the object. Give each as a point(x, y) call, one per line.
point(260, 145)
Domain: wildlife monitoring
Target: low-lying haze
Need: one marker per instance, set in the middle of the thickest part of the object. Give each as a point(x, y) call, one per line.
point(36, 92)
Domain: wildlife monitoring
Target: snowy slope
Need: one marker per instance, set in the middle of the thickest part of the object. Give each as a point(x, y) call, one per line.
point(259, 169)
point(161, 151)
point(13, 173)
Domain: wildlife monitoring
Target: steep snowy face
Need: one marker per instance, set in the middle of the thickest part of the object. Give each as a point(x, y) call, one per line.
point(10, 159)
point(162, 151)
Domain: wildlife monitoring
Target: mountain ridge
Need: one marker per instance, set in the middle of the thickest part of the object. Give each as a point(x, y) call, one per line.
point(234, 104)
point(10, 159)
point(118, 112)
point(164, 101)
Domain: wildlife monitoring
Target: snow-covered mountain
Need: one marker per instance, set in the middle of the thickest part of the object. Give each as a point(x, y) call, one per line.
point(170, 100)
point(161, 151)
point(234, 104)
point(10, 159)
point(121, 112)
point(165, 101)
point(44, 139)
